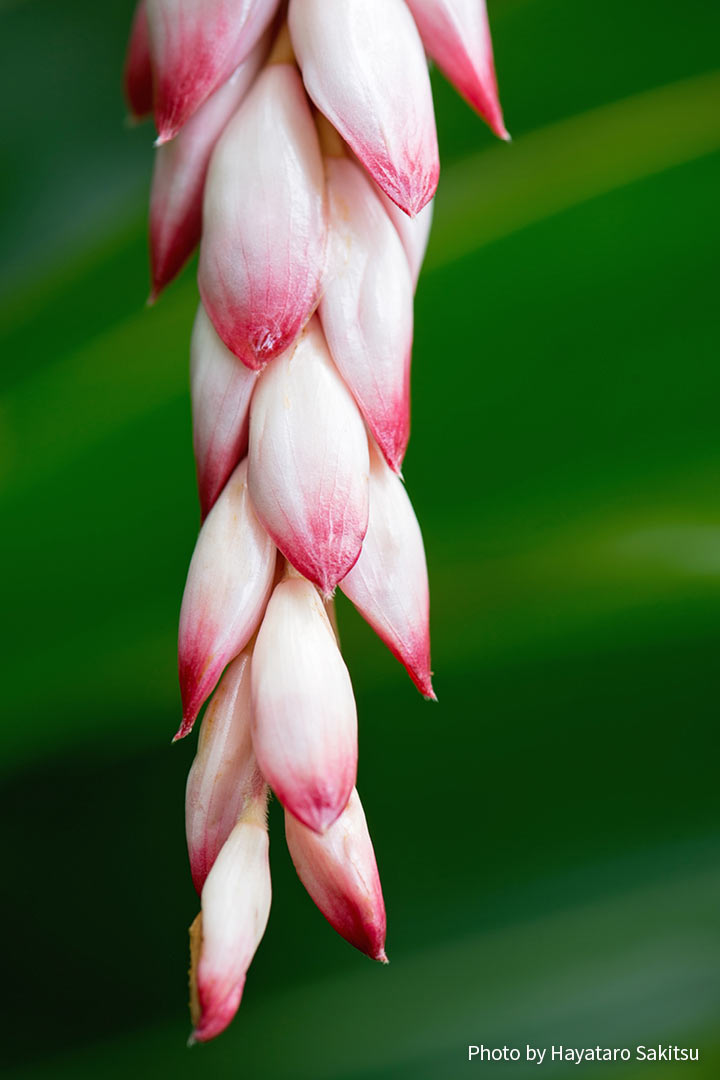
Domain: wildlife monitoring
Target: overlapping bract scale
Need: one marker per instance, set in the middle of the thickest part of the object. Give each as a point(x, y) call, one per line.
point(308, 462)
point(178, 183)
point(195, 46)
point(304, 716)
point(235, 908)
point(224, 780)
point(388, 584)
point(264, 221)
point(456, 34)
point(221, 388)
point(367, 307)
point(228, 584)
point(339, 871)
point(364, 67)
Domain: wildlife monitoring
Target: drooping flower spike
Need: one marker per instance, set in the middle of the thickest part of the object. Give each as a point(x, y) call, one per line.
point(303, 158)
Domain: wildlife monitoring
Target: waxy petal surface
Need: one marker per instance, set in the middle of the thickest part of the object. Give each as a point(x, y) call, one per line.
point(228, 583)
point(364, 66)
point(413, 232)
point(224, 779)
point(367, 307)
point(456, 34)
point(138, 68)
point(339, 871)
point(388, 584)
point(308, 462)
point(304, 715)
point(221, 388)
point(195, 46)
point(235, 908)
point(264, 222)
point(176, 198)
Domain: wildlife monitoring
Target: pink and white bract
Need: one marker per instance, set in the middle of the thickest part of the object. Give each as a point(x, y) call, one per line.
point(264, 221)
point(303, 708)
point(302, 157)
point(339, 871)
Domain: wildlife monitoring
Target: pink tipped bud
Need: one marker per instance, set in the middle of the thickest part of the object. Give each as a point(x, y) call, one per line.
point(304, 717)
point(367, 307)
point(339, 871)
point(221, 388)
point(180, 169)
point(235, 909)
point(263, 247)
point(224, 779)
point(229, 581)
point(195, 46)
point(308, 458)
point(388, 584)
point(413, 232)
point(364, 67)
point(456, 34)
point(138, 69)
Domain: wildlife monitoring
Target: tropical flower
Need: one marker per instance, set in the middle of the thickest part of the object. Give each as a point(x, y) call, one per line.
point(297, 146)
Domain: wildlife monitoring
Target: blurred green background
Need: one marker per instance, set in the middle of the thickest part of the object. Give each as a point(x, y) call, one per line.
point(548, 833)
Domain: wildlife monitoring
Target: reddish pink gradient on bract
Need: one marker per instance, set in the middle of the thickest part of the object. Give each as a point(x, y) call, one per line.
point(388, 584)
point(413, 232)
point(456, 34)
point(221, 389)
point(180, 170)
point(195, 46)
point(235, 907)
point(138, 69)
point(224, 780)
point(364, 67)
point(339, 871)
point(308, 462)
point(303, 709)
point(228, 584)
point(218, 1007)
point(262, 255)
point(367, 307)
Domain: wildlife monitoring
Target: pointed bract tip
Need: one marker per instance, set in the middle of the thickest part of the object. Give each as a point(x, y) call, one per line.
point(163, 138)
point(152, 296)
point(423, 681)
point(382, 957)
point(217, 1013)
point(185, 728)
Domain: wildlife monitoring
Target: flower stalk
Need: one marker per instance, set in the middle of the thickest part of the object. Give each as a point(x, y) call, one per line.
point(297, 147)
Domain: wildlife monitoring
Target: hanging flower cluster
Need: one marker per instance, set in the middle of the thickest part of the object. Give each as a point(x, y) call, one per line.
point(297, 145)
